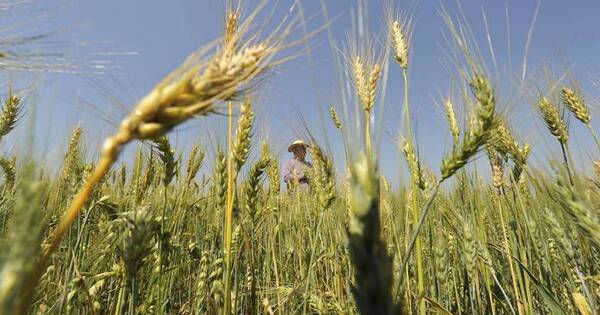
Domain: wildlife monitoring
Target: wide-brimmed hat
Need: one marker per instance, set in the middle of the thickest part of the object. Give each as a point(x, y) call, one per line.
point(296, 144)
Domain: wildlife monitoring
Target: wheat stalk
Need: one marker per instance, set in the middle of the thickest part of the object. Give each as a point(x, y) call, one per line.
point(557, 127)
point(452, 122)
point(580, 210)
point(503, 141)
point(473, 140)
point(479, 133)
point(243, 136)
point(252, 186)
point(335, 118)
point(324, 175)
point(166, 154)
point(18, 274)
point(373, 267)
point(194, 164)
point(272, 170)
point(554, 122)
point(239, 151)
point(413, 165)
point(497, 169)
point(575, 103)
point(10, 114)
point(365, 75)
point(9, 168)
point(192, 90)
point(143, 185)
point(72, 161)
point(400, 43)
point(220, 179)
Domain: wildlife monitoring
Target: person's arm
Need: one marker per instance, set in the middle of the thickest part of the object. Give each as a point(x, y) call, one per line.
point(286, 172)
point(299, 171)
point(292, 172)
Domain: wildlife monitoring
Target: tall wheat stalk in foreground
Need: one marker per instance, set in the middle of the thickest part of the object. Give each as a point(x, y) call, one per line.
point(192, 90)
point(231, 25)
point(240, 149)
point(19, 269)
point(372, 265)
point(399, 29)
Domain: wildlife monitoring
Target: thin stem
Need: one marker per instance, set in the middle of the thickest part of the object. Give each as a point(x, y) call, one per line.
point(368, 132)
point(228, 214)
point(418, 227)
point(133, 303)
point(506, 248)
point(71, 214)
point(80, 200)
point(161, 252)
point(415, 201)
point(406, 109)
point(593, 132)
point(563, 148)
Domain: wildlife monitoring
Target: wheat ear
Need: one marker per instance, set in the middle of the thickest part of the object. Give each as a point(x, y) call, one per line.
point(335, 118)
point(554, 122)
point(452, 122)
point(190, 91)
point(194, 163)
point(557, 127)
point(10, 114)
point(400, 42)
point(474, 139)
point(481, 131)
point(166, 154)
point(575, 103)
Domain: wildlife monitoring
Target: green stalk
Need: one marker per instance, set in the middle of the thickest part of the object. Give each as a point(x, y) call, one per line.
point(417, 229)
point(228, 229)
point(593, 132)
point(506, 247)
point(160, 255)
point(368, 132)
point(564, 148)
point(415, 202)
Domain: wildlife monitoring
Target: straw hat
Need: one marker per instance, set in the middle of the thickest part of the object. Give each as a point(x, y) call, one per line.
point(295, 144)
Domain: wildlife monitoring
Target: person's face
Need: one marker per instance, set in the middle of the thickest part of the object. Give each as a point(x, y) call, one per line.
point(299, 152)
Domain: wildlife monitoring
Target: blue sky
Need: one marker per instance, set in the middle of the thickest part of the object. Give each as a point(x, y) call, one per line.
point(143, 41)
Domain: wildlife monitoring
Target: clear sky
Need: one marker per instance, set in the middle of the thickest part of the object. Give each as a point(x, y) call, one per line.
point(142, 41)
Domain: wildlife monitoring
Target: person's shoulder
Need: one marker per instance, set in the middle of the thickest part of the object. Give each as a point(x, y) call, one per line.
point(288, 162)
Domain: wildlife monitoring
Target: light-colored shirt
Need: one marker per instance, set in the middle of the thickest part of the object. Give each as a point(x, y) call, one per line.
point(295, 169)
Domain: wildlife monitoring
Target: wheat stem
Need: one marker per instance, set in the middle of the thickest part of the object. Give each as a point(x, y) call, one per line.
point(417, 228)
point(564, 148)
point(71, 214)
point(414, 199)
point(594, 135)
point(368, 133)
point(406, 109)
point(228, 213)
point(506, 247)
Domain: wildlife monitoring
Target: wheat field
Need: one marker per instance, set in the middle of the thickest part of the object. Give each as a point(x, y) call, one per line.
point(486, 231)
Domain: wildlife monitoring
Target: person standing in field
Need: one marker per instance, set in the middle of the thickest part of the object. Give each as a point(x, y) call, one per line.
point(295, 170)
